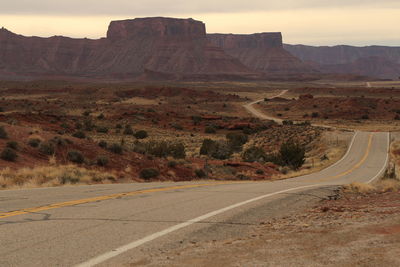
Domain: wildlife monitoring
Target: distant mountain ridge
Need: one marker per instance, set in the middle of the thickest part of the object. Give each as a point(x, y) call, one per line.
point(374, 61)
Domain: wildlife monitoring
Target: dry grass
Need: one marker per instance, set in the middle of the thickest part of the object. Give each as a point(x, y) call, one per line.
point(382, 186)
point(50, 176)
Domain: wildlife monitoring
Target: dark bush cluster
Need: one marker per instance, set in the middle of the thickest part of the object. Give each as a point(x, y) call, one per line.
point(8, 154)
point(34, 142)
point(3, 133)
point(216, 149)
point(128, 130)
point(12, 145)
point(149, 173)
point(141, 134)
point(161, 149)
point(46, 148)
point(79, 134)
point(102, 161)
point(75, 157)
point(116, 148)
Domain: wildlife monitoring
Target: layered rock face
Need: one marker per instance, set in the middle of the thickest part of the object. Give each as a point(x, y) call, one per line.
point(375, 61)
point(261, 52)
point(174, 48)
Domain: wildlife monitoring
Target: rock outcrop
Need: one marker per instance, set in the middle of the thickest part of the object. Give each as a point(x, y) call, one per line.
point(262, 52)
point(375, 61)
point(133, 49)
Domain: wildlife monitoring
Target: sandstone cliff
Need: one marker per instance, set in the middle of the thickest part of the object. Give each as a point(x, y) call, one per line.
point(261, 52)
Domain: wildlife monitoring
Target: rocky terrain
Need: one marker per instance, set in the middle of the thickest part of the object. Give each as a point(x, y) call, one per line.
point(374, 61)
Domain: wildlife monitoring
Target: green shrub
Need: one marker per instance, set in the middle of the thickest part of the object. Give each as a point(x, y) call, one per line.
point(207, 147)
point(79, 134)
point(177, 151)
point(128, 130)
point(210, 130)
point(103, 144)
point(218, 150)
point(3, 133)
point(75, 157)
point(46, 148)
point(102, 129)
point(254, 154)
point(116, 148)
point(157, 149)
point(34, 142)
point(12, 145)
point(237, 140)
point(149, 173)
point(8, 154)
point(292, 154)
point(172, 164)
point(141, 134)
point(200, 173)
point(102, 161)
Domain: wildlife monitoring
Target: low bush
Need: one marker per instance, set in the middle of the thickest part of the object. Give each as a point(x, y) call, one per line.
point(3, 133)
point(116, 148)
point(79, 134)
point(200, 173)
point(237, 140)
point(141, 134)
point(102, 129)
point(254, 154)
point(75, 157)
point(149, 173)
point(12, 145)
point(103, 144)
point(128, 130)
point(34, 142)
point(210, 130)
point(8, 154)
point(102, 161)
point(292, 154)
point(172, 164)
point(218, 150)
point(46, 148)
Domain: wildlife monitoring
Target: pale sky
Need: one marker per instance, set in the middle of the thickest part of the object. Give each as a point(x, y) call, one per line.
point(312, 22)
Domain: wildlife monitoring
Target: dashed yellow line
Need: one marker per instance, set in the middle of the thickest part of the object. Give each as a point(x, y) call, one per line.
point(100, 198)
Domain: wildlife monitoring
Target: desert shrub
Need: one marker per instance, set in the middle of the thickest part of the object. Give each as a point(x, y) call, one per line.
point(196, 120)
point(46, 148)
point(12, 145)
point(200, 173)
point(218, 150)
point(157, 149)
point(1, 109)
point(78, 126)
point(315, 115)
point(177, 126)
point(102, 161)
point(254, 154)
point(79, 134)
point(177, 150)
point(75, 157)
point(86, 113)
point(64, 125)
point(34, 142)
point(101, 116)
point(8, 154)
point(292, 154)
point(210, 130)
point(59, 141)
point(287, 122)
point(3, 133)
point(102, 129)
point(365, 117)
point(88, 125)
point(260, 172)
point(172, 164)
point(141, 134)
point(128, 130)
point(103, 144)
point(116, 148)
point(149, 173)
point(118, 126)
point(237, 140)
point(207, 147)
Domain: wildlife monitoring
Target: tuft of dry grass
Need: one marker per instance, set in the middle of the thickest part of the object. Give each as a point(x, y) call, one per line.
point(360, 188)
point(50, 176)
point(382, 186)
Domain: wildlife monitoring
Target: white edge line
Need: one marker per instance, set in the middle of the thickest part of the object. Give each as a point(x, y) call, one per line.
point(347, 153)
point(115, 252)
point(380, 173)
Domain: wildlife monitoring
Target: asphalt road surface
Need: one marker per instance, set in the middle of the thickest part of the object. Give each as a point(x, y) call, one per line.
point(112, 225)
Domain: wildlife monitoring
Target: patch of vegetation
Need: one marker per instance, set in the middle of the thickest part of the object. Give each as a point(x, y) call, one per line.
point(79, 134)
point(46, 148)
point(12, 145)
point(103, 144)
point(149, 173)
point(3, 133)
point(200, 173)
point(102, 129)
point(292, 154)
point(8, 154)
point(237, 140)
point(128, 130)
point(75, 157)
point(116, 148)
point(161, 149)
point(217, 149)
point(102, 161)
point(210, 130)
point(254, 154)
point(34, 142)
point(141, 134)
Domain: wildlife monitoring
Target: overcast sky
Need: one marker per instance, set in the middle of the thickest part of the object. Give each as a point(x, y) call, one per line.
point(315, 22)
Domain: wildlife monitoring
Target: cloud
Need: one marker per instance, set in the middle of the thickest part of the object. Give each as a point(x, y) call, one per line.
point(135, 8)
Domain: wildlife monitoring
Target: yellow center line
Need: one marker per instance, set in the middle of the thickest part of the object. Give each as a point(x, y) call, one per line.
point(356, 166)
point(107, 197)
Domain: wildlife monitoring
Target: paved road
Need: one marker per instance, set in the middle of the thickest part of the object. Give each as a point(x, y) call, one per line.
point(112, 225)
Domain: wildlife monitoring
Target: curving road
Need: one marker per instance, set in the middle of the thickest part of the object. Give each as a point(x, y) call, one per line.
point(112, 225)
